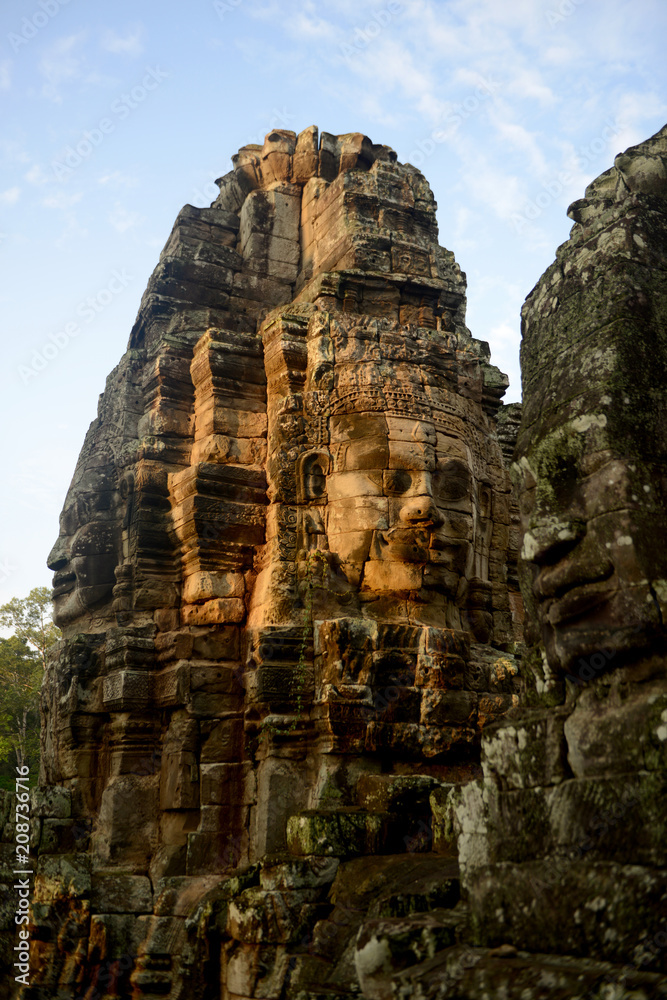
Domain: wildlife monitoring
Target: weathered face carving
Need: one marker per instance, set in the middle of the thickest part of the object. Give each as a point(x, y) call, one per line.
point(400, 505)
point(587, 515)
point(86, 553)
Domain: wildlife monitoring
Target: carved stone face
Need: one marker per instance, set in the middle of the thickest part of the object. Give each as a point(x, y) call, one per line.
point(400, 514)
point(86, 553)
point(587, 515)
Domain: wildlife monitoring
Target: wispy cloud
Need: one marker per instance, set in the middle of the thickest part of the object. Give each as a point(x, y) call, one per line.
point(36, 175)
point(73, 232)
point(634, 109)
point(61, 64)
point(117, 179)
point(10, 196)
point(121, 219)
point(128, 45)
point(62, 200)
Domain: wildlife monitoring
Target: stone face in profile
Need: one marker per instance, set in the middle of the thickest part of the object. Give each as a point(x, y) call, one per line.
point(569, 820)
point(88, 549)
point(287, 556)
point(593, 443)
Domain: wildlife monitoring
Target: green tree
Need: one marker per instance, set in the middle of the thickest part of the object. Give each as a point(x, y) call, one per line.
point(22, 664)
point(21, 675)
point(30, 619)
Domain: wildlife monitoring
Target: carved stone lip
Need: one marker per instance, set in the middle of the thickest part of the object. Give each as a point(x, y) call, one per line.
point(579, 600)
point(63, 583)
point(405, 544)
point(556, 582)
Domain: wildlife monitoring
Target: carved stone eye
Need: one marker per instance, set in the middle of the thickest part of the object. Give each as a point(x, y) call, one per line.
point(398, 481)
point(452, 481)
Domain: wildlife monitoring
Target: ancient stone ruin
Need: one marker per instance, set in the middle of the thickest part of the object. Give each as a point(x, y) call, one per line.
point(294, 743)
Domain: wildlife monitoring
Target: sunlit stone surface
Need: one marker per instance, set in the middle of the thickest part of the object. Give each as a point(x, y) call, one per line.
point(293, 744)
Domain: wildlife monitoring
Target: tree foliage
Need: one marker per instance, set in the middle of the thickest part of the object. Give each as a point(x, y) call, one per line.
point(30, 619)
point(22, 663)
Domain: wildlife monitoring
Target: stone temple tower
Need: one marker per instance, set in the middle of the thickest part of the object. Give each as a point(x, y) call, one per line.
point(285, 576)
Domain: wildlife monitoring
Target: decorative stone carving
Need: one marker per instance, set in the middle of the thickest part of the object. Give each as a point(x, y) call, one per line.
point(285, 568)
point(593, 440)
point(562, 845)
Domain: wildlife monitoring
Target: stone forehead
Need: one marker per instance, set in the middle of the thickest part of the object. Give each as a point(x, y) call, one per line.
point(380, 366)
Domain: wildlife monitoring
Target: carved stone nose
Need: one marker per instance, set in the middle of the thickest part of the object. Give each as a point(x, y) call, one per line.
point(58, 556)
point(421, 510)
point(546, 541)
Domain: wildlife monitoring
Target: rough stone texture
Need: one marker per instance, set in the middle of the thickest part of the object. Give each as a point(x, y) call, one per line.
point(563, 844)
point(286, 580)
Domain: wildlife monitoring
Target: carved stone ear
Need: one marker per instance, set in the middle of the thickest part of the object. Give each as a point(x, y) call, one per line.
point(126, 490)
point(312, 470)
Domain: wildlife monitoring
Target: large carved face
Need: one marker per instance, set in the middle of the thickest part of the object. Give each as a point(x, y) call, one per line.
point(401, 505)
point(588, 516)
point(86, 553)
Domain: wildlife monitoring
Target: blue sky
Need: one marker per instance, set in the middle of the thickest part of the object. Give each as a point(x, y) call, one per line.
point(116, 115)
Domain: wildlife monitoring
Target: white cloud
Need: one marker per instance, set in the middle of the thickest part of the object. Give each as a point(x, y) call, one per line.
point(516, 137)
point(117, 179)
point(529, 83)
point(128, 45)
point(122, 220)
point(73, 232)
point(632, 111)
point(36, 175)
point(61, 200)
point(60, 64)
point(505, 335)
point(10, 196)
point(312, 28)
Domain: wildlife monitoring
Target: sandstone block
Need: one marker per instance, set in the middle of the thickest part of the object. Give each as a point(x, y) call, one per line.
point(338, 834)
point(528, 753)
point(53, 802)
point(121, 894)
point(227, 784)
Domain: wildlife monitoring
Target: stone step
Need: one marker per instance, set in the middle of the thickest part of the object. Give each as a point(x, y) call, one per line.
point(605, 911)
point(341, 833)
point(465, 973)
point(389, 792)
point(367, 889)
point(386, 946)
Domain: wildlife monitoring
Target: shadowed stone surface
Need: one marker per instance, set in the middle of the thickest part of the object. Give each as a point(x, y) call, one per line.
point(289, 752)
point(285, 577)
point(562, 845)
